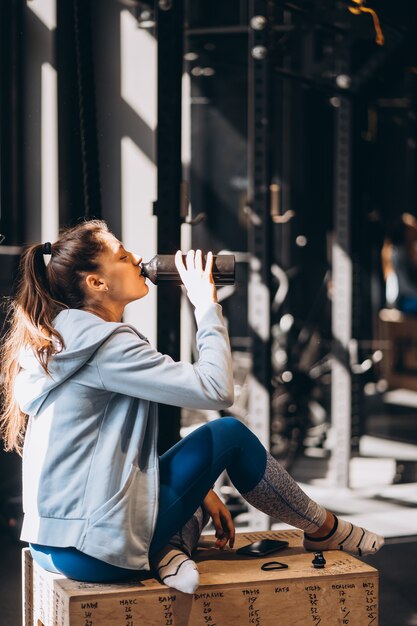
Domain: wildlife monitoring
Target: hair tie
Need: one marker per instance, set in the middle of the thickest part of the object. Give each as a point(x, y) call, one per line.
point(47, 248)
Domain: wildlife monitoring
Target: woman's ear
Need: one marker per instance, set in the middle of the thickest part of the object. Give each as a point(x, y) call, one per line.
point(95, 283)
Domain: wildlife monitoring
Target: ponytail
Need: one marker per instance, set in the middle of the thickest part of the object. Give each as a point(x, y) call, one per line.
point(42, 292)
point(30, 324)
point(36, 308)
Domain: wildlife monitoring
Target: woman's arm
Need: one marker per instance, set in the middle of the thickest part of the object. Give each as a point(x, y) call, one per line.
point(129, 365)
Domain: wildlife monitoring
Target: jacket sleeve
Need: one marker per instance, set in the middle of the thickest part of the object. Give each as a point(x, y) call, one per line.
point(127, 364)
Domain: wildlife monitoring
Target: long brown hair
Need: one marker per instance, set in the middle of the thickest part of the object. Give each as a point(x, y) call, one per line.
point(43, 290)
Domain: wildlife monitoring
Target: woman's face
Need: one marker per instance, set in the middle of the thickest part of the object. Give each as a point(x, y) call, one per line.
point(121, 273)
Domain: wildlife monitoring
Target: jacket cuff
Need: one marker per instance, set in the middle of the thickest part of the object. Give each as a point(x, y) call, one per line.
point(212, 309)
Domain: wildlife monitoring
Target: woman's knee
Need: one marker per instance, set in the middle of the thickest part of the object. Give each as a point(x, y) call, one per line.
point(248, 463)
point(231, 427)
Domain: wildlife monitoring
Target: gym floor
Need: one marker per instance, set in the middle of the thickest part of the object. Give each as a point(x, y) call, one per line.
point(389, 455)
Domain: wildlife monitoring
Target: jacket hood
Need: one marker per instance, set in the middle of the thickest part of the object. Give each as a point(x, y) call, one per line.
point(83, 333)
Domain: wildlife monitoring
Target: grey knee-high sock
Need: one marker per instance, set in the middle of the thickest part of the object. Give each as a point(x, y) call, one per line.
point(188, 537)
point(278, 495)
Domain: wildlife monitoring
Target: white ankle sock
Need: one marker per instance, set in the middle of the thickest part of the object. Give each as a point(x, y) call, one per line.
point(176, 569)
point(346, 536)
point(173, 563)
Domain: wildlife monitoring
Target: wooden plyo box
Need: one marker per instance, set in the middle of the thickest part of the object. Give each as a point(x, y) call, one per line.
point(399, 335)
point(233, 591)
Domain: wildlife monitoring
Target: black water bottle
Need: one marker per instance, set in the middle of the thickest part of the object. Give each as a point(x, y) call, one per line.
point(162, 268)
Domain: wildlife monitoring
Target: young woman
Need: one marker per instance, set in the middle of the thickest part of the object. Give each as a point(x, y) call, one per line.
point(99, 504)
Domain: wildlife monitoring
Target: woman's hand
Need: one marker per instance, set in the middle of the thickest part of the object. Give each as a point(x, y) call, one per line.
point(198, 282)
point(222, 520)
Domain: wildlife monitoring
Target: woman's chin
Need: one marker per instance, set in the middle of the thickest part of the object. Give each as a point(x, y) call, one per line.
point(143, 292)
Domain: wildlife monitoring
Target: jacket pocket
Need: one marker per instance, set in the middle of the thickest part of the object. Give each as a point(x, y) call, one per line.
point(122, 528)
point(121, 496)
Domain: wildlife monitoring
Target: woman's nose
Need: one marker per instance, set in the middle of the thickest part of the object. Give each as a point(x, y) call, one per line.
point(136, 259)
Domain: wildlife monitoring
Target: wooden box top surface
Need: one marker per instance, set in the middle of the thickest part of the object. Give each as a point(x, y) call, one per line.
point(227, 569)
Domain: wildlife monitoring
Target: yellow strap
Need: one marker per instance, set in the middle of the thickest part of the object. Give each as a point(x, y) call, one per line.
point(379, 38)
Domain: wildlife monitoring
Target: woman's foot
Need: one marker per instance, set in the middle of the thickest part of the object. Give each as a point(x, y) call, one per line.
point(173, 564)
point(338, 534)
point(176, 569)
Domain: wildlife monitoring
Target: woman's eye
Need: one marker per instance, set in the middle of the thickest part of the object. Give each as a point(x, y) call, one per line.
point(122, 258)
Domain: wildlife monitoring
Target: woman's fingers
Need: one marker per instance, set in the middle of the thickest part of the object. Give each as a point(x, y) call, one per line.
point(221, 539)
point(199, 282)
point(225, 529)
point(217, 525)
point(199, 261)
point(221, 542)
point(230, 530)
point(190, 260)
point(222, 533)
point(194, 261)
point(228, 527)
point(209, 264)
point(179, 263)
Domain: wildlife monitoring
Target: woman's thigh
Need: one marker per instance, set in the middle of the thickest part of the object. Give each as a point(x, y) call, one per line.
point(77, 565)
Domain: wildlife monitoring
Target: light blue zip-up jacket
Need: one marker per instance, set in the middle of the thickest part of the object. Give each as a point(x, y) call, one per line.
point(90, 463)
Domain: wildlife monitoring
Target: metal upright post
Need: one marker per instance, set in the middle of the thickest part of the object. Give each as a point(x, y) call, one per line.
point(11, 127)
point(259, 244)
point(78, 158)
point(169, 14)
point(341, 390)
point(12, 40)
point(11, 145)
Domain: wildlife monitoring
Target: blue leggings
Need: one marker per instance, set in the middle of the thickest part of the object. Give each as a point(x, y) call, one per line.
point(187, 472)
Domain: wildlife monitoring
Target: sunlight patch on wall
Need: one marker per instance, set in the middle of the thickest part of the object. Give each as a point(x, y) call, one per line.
point(138, 69)
point(45, 10)
point(139, 227)
point(49, 154)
